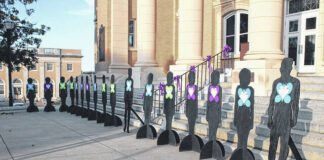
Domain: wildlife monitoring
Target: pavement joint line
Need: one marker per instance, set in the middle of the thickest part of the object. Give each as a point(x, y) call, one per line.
point(6, 147)
point(91, 139)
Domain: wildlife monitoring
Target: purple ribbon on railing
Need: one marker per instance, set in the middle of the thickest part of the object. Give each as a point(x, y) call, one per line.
point(178, 81)
point(161, 88)
point(208, 58)
point(227, 48)
point(193, 68)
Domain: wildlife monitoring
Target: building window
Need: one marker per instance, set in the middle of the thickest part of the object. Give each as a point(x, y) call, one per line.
point(69, 67)
point(2, 89)
point(49, 67)
point(17, 85)
point(131, 33)
point(101, 45)
point(16, 67)
point(235, 30)
point(33, 68)
point(295, 6)
point(36, 85)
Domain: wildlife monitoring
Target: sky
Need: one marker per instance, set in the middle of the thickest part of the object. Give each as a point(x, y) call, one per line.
point(71, 23)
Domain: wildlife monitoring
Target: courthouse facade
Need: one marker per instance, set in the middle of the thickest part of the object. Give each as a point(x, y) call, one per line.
point(52, 63)
point(174, 34)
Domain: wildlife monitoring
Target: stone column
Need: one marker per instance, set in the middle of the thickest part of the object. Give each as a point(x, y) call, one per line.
point(190, 31)
point(146, 36)
point(190, 35)
point(146, 10)
point(265, 51)
point(119, 36)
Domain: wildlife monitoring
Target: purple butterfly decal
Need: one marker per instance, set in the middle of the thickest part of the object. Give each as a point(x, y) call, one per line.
point(191, 92)
point(214, 93)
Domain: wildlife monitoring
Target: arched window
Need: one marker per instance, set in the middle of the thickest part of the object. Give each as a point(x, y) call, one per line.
point(2, 89)
point(235, 29)
point(17, 85)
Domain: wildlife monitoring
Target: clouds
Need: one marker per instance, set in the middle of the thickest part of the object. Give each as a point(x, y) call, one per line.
point(88, 10)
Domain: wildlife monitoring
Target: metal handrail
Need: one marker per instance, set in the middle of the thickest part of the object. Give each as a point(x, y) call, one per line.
point(202, 77)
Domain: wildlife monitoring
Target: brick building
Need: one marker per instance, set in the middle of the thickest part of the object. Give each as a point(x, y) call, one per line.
point(52, 63)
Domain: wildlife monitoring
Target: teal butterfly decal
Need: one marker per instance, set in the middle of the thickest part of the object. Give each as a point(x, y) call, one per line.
point(149, 90)
point(129, 85)
point(283, 91)
point(244, 95)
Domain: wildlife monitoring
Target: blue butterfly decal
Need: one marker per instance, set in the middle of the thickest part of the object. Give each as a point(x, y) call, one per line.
point(244, 95)
point(283, 91)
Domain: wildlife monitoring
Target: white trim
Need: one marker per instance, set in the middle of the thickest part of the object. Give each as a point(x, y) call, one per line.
point(34, 69)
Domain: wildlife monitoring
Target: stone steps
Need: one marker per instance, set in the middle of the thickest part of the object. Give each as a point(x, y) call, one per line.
point(227, 140)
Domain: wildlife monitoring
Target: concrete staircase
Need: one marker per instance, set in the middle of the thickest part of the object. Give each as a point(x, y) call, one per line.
point(308, 134)
point(312, 88)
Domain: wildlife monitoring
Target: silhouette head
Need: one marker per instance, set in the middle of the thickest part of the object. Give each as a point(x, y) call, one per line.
point(103, 78)
point(71, 79)
point(169, 78)
point(129, 72)
point(95, 78)
point(62, 79)
point(286, 67)
point(150, 78)
point(30, 81)
point(245, 77)
point(47, 80)
point(112, 78)
point(191, 77)
point(87, 79)
point(215, 77)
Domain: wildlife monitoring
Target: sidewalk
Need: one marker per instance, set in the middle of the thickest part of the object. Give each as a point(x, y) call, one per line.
point(64, 136)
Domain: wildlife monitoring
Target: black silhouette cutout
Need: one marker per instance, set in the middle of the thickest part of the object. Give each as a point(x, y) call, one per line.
point(213, 148)
point(191, 142)
point(78, 109)
point(71, 109)
point(87, 89)
point(283, 110)
point(128, 98)
point(114, 120)
point(243, 115)
point(48, 94)
point(31, 94)
point(147, 130)
point(63, 95)
point(93, 113)
point(103, 116)
point(169, 136)
point(84, 113)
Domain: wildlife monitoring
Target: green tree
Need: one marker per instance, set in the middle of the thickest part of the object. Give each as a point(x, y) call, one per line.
point(19, 43)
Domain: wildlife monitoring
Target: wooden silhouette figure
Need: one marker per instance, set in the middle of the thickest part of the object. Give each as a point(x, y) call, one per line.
point(78, 109)
point(93, 113)
point(71, 88)
point(103, 116)
point(31, 94)
point(114, 120)
point(213, 148)
point(147, 130)
point(283, 110)
point(191, 142)
point(243, 115)
point(63, 95)
point(48, 94)
point(128, 99)
point(87, 89)
point(169, 136)
point(84, 113)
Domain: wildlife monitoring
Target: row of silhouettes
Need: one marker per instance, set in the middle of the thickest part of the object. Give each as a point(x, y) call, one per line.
point(282, 111)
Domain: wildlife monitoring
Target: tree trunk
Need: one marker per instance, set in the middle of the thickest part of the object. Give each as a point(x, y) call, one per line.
point(10, 86)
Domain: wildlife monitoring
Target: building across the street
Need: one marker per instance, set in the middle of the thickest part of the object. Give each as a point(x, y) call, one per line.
point(52, 62)
point(175, 34)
